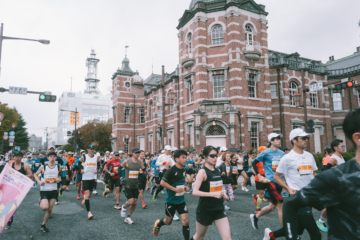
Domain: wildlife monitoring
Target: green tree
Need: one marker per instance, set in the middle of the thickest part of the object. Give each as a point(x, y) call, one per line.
point(10, 117)
point(67, 147)
point(21, 135)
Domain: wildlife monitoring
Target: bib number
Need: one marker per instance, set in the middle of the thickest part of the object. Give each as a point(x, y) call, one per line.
point(189, 165)
point(216, 186)
point(133, 174)
point(305, 167)
point(240, 166)
point(274, 165)
point(234, 170)
point(116, 169)
point(91, 164)
point(50, 179)
point(182, 187)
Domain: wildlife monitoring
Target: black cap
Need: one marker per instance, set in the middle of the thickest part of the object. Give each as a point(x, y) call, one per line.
point(52, 153)
point(17, 153)
point(286, 149)
point(116, 153)
point(136, 150)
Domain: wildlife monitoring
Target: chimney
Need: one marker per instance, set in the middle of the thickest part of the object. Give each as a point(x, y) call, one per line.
point(331, 58)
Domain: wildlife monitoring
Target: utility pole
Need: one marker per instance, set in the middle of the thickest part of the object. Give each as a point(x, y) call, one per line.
point(163, 106)
point(304, 102)
point(46, 135)
point(76, 112)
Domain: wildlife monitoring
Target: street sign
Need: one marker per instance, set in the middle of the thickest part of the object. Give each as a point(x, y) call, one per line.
point(1, 116)
point(17, 148)
point(6, 133)
point(11, 144)
point(315, 87)
point(17, 90)
point(11, 140)
point(5, 137)
point(13, 125)
point(12, 133)
point(11, 136)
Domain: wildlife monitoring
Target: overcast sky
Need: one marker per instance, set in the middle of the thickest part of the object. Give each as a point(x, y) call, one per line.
point(315, 29)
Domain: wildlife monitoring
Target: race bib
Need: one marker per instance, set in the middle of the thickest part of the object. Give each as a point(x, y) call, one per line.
point(227, 170)
point(305, 167)
point(274, 165)
point(216, 186)
point(141, 171)
point(37, 164)
point(240, 166)
point(91, 164)
point(50, 179)
point(189, 165)
point(116, 169)
point(182, 190)
point(234, 170)
point(133, 174)
point(63, 168)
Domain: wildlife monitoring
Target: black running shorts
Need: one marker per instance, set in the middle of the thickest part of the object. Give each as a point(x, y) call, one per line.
point(170, 209)
point(114, 183)
point(208, 219)
point(131, 193)
point(142, 183)
point(260, 185)
point(88, 185)
point(234, 178)
point(190, 171)
point(48, 194)
point(157, 180)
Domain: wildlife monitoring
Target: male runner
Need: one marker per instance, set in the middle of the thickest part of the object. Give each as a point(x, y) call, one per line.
point(270, 159)
point(156, 174)
point(36, 165)
point(71, 160)
point(112, 167)
point(298, 168)
point(174, 181)
point(260, 186)
point(77, 167)
point(161, 162)
point(51, 176)
point(336, 189)
point(22, 168)
point(89, 174)
point(328, 152)
point(132, 166)
point(64, 177)
point(142, 179)
point(190, 164)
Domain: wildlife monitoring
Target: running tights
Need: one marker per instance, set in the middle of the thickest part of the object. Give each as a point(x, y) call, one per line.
point(229, 191)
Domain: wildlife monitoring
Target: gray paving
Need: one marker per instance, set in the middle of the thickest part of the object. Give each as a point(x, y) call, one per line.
point(69, 219)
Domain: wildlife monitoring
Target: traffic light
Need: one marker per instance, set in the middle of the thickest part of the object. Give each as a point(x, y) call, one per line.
point(47, 98)
point(344, 85)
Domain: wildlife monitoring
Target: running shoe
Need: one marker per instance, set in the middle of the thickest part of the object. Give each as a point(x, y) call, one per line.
point(123, 212)
point(144, 205)
point(322, 226)
point(104, 194)
point(75, 186)
point(82, 193)
point(163, 191)
point(244, 189)
point(128, 220)
point(267, 234)
point(254, 196)
point(152, 191)
point(90, 216)
point(67, 187)
point(117, 207)
point(148, 181)
point(254, 221)
point(257, 210)
point(78, 197)
point(265, 200)
point(176, 218)
point(44, 229)
point(71, 183)
point(147, 188)
point(285, 194)
point(227, 208)
point(156, 228)
point(56, 202)
point(95, 192)
point(60, 194)
point(82, 202)
point(154, 198)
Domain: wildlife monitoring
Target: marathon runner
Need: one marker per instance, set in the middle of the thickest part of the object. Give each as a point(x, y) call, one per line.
point(77, 167)
point(210, 209)
point(161, 162)
point(336, 189)
point(36, 165)
point(328, 152)
point(260, 186)
point(132, 166)
point(71, 160)
point(298, 168)
point(190, 171)
point(112, 167)
point(156, 174)
point(243, 164)
point(21, 168)
point(89, 174)
point(142, 178)
point(174, 181)
point(48, 186)
point(234, 171)
point(64, 171)
point(226, 176)
point(270, 159)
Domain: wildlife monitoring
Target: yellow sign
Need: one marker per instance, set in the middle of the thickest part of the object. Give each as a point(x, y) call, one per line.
point(72, 119)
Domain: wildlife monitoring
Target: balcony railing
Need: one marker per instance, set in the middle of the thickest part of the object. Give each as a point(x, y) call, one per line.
point(344, 72)
point(186, 53)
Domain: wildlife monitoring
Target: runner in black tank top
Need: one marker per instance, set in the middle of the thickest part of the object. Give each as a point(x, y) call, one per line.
point(209, 187)
point(22, 169)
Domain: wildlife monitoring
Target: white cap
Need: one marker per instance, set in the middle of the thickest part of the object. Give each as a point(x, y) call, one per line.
point(223, 149)
point(298, 132)
point(107, 152)
point(82, 151)
point(167, 147)
point(162, 151)
point(274, 135)
point(121, 152)
point(174, 149)
point(112, 153)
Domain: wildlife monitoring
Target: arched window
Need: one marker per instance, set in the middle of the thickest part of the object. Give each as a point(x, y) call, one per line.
point(189, 39)
point(293, 88)
point(215, 130)
point(314, 99)
point(249, 34)
point(217, 35)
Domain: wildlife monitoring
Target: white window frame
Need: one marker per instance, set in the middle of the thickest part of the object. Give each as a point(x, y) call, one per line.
point(127, 115)
point(293, 89)
point(191, 91)
point(273, 92)
point(142, 115)
point(254, 135)
point(252, 86)
point(126, 145)
point(337, 98)
point(314, 100)
point(151, 110)
point(189, 38)
point(217, 35)
point(219, 86)
point(249, 35)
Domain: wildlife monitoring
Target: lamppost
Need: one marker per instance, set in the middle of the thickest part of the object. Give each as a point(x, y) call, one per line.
point(94, 131)
point(2, 37)
point(296, 98)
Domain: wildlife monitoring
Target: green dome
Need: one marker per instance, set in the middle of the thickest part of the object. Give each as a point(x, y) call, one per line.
point(193, 2)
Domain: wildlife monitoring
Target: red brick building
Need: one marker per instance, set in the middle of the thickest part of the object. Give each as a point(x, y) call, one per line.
point(228, 84)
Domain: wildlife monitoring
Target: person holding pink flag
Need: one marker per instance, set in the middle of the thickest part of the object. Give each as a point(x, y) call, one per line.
point(51, 175)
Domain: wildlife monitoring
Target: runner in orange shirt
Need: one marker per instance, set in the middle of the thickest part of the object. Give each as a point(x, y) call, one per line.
point(71, 162)
point(260, 187)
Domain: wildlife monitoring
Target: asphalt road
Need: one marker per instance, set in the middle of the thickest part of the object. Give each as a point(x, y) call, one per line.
point(69, 219)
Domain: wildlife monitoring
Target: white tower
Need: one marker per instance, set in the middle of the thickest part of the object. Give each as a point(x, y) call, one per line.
point(91, 79)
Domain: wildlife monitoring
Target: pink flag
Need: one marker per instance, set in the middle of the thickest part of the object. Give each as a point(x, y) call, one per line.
point(13, 188)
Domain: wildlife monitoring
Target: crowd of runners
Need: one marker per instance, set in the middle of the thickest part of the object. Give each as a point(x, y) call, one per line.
point(213, 175)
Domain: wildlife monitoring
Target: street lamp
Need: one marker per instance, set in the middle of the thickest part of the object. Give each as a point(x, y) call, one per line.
point(94, 131)
point(2, 37)
point(172, 95)
point(296, 98)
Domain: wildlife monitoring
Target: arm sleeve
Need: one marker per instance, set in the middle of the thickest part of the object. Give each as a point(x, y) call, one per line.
point(254, 165)
point(153, 164)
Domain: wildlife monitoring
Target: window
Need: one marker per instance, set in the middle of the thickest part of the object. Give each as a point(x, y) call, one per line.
point(189, 38)
point(64, 130)
point(337, 100)
point(127, 84)
point(217, 35)
point(249, 34)
point(191, 91)
point(126, 145)
point(358, 98)
point(171, 108)
point(151, 110)
point(273, 90)
point(127, 115)
point(254, 135)
point(314, 99)
point(252, 86)
point(142, 115)
point(219, 86)
point(293, 89)
point(295, 127)
point(64, 121)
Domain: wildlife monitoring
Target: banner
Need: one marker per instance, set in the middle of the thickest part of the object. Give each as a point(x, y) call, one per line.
point(72, 119)
point(13, 188)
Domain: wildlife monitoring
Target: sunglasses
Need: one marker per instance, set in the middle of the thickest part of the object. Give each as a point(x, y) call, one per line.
point(213, 155)
point(343, 146)
point(303, 138)
point(91, 147)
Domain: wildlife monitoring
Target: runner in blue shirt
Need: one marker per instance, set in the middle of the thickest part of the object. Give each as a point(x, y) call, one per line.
point(36, 165)
point(64, 170)
point(156, 174)
point(190, 171)
point(270, 159)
